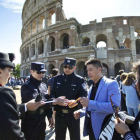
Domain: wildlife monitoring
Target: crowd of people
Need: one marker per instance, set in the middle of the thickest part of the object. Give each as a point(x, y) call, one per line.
point(65, 98)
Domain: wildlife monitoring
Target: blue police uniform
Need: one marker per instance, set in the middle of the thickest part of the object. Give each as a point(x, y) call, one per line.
point(33, 125)
point(72, 87)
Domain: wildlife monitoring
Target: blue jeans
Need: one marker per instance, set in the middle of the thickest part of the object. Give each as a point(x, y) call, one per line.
point(131, 111)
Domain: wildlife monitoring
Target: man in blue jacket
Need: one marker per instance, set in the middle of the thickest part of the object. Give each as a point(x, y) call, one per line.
point(98, 104)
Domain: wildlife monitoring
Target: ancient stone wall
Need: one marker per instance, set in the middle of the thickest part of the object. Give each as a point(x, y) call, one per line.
point(115, 40)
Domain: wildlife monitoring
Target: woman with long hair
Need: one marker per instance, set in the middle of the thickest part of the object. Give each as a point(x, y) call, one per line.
point(132, 101)
point(121, 127)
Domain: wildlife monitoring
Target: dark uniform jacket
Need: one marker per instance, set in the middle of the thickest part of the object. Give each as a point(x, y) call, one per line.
point(29, 91)
point(9, 115)
point(71, 86)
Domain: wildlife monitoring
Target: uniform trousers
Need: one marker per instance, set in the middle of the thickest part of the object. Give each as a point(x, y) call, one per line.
point(34, 131)
point(64, 121)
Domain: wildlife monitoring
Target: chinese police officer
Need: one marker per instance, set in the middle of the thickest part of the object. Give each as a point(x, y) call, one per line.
point(33, 124)
point(72, 86)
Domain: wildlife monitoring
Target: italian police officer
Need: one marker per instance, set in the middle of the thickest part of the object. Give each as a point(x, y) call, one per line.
point(72, 86)
point(33, 125)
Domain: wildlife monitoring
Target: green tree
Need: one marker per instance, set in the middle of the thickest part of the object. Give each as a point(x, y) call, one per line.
point(16, 71)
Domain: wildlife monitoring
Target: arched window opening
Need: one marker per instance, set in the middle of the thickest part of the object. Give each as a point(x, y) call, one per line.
point(33, 50)
point(66, 42)
point(118, 66)
point(53, 19)
point(105, 70)
point(117, 43)
point(33, 27)
point(40, 47)
point(127, 43)
point(41, 23)
point(101, 41)
point(86, 41)
point(138, 46)
point(81, 69)
point(101, 44)
point(53, 44)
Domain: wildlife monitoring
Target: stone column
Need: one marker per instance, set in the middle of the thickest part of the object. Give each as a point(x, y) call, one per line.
point(30, 52)
point(127, 60)
point(37, 24)
point(56, 65)
point(109, 38)
point(36, 49)
point(72, 35)
point(111, 67)
point(120, 34)
point(31, 29)
point(56, 41)
point(59, 15)
point(46, 19)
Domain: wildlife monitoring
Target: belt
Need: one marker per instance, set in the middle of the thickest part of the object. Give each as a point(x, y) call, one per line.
point(40, 111)
point(65, 111)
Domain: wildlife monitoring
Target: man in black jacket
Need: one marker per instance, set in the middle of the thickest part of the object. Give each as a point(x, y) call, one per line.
point(72, 86)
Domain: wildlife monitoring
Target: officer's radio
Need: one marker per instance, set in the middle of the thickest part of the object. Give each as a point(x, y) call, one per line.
point(38, 98)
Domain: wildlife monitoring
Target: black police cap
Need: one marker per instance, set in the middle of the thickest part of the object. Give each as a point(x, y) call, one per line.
point(38, 66)
point(69, 61)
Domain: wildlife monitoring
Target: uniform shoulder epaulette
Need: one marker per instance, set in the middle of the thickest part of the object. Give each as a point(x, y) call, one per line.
point(60, 75)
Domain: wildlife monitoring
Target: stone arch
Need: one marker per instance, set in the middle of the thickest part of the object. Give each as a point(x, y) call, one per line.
point(118, 66)
point(117, 41)
point(101, 41)
point(81, 69)
point(41, 47)
point(138, 46)
point(50, 67)
point(105, 70)
point(127, 43)
point(41, 22)
point(52, 16)
point(51, 44)
point(33, 50)
point(64, 40)
point(86, 41)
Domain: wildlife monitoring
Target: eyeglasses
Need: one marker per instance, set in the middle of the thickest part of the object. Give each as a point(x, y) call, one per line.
point(69, 67)
point(39, 72)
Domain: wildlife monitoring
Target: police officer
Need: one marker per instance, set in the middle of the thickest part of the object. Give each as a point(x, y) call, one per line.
point(72, 86)
point(33, 125)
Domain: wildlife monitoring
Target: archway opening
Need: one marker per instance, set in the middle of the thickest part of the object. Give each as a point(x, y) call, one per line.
point(33, 50)
point(86, 41)
point(101, 41)
point(40, 47)
point(50, 68)
point(81, 69)
point(105, 71)
point(53, 44)
point(127, 43)
point(138, 46)
point(118, 66)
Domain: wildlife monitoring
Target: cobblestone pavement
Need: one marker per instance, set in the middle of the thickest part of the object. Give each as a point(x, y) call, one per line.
point(50, 133)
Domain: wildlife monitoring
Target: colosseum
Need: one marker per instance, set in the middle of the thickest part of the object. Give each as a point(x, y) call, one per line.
point(50, 42)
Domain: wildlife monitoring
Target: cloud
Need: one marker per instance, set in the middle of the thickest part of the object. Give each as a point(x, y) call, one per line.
point(14, 5)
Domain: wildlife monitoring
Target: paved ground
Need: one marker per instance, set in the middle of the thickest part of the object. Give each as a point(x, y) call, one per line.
point(50, 135)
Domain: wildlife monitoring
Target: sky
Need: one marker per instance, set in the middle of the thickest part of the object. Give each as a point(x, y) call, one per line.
point(83, 11)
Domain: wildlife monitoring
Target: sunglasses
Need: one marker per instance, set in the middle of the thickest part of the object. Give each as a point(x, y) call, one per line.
point(39, 72)
point(69, 67)
point(75, 103)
